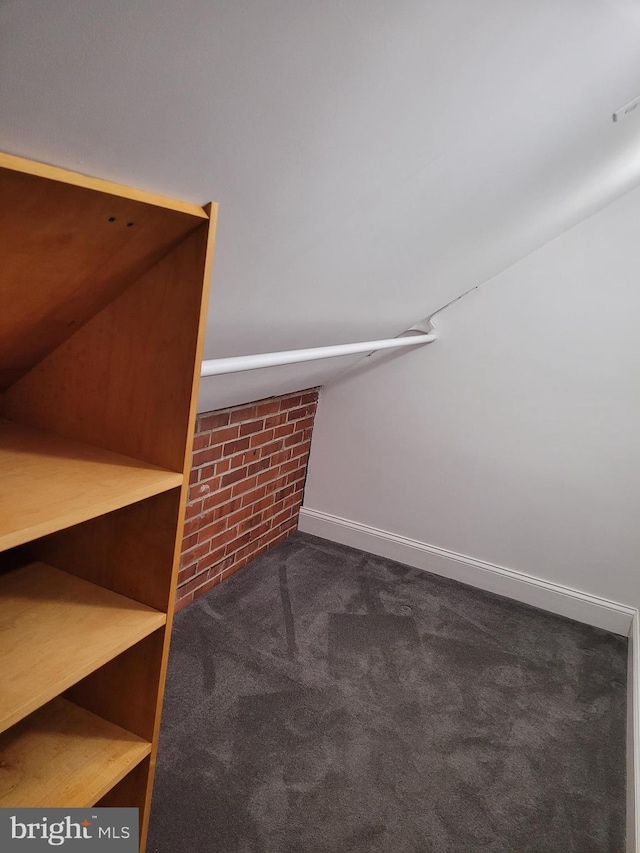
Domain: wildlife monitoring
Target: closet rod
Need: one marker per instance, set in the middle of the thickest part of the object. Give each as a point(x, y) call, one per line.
point(216, 366)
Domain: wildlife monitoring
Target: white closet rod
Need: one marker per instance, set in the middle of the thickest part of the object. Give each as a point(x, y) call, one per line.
point(216, 366)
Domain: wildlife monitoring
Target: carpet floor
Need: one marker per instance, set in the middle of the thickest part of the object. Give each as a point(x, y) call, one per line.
point(324, 700)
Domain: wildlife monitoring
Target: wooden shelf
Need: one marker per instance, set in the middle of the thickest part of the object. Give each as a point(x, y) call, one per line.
point(63, 756)
point(48, 483)
point(54, 630)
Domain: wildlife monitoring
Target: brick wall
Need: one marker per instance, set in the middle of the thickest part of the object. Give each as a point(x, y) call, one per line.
point(247, 481)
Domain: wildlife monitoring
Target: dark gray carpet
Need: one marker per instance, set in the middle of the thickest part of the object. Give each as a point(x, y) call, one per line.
point(324, 700)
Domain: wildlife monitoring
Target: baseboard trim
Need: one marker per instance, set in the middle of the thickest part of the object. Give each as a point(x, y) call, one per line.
point(555, 598)
point(633, 739)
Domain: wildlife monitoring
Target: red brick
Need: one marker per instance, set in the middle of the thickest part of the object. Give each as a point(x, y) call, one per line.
point(265, 503)
point(305, 423)
point(190, 527)
point(275, 420)
point(222, 466)
point(284, 492)
point(261, 437)
point(278, 484)
point(252, 454)
point(200, 441)
point(206, 456)
point(255, 495)
point(233, 476)
point(294, 498)
point(194, 554)
point(267, 476)
point(269, 449)
point(185, 574)
point(225, 537)
point(189, 541)
point(286, 429)
point(193, 476)
point(292, 465)
point(296, 438)
point(210, 560)
point(220, 436)
point(278, 503)
point(240, 541)
point(301, 450)
point(209, 477)
point(236, 446)
point(247, 547)
point(258, 466)
point(251, 427)
point(290, 402)
point(281, 518)
point(244, 486)
point(216, 499)
point(213, 421)
point(282, 532)
point(236, 461)
point(250, 523)
point(269, 408)
point(209, 482)
point(277, 487)
point(295, 414)
point(199, 490)
point(193, 509)
point(244, 414)
point(239, 515)
point(204, 518)
point(296, 478)
point(181, 603)
point(226, 508)
point(208, 531)
point(193, 584)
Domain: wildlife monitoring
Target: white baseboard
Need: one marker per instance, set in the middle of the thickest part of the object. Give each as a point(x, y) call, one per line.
point(609, 615)
point(549, 596)
point(633, 739)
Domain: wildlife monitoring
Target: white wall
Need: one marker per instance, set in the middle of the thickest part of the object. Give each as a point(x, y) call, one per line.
point(515, 438)
point(372, 159)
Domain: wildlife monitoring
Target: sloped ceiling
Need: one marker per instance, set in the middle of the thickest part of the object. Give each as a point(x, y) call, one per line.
point(372, 160)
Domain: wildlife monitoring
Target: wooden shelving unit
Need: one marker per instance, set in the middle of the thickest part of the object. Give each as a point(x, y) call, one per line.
point(103, 296)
